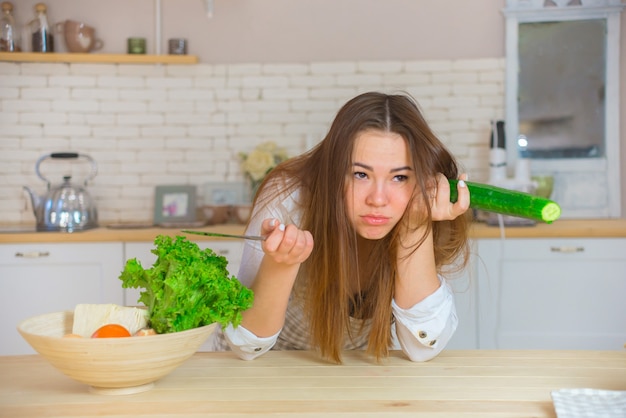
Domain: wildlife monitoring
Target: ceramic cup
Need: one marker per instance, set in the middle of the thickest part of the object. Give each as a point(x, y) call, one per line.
point(79, 37)
point(177, 46)
point(136, 45)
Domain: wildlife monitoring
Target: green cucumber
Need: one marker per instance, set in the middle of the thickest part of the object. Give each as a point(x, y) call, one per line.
point(508, 202)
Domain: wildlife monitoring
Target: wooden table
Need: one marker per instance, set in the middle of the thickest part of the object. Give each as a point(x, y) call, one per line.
point(477, 383)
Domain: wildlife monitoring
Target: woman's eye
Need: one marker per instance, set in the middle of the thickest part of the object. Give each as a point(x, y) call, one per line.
point(401, 177)
point(360, 175)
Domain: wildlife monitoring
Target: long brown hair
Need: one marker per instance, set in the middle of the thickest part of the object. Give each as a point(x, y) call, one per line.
point(323, 283)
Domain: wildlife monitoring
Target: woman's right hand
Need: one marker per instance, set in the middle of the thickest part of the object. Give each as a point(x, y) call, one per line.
point(284, 248)
point(286, 244)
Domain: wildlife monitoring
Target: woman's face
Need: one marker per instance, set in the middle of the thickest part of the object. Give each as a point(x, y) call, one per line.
point(381, 183)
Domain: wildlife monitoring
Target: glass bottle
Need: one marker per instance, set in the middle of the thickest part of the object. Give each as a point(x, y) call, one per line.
point(42, 38)
point(9, 34)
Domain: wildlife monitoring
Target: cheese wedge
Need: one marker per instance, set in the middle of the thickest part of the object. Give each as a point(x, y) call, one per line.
point(88, 317)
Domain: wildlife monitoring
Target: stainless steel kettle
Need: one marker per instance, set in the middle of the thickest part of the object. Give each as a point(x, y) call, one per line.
point(67, 207)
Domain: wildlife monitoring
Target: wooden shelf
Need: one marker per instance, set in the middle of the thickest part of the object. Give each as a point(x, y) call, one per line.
point(97, 58)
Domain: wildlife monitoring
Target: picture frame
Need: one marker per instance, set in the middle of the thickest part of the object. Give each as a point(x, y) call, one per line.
point(174, 204)
point(225, 194)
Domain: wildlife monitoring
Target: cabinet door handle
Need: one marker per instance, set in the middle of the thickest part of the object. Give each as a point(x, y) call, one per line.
point(566, 249)
point(33, 254)
point(223, 252)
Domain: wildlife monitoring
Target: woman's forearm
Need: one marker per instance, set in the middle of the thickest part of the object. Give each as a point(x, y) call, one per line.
point(272, 287)
point(417, 272)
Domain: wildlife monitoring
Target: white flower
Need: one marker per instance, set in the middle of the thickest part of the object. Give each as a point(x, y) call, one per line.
point(258, 163)
point(262, 160)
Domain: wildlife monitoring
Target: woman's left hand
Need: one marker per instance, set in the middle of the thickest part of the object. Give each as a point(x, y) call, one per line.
point(441, 207)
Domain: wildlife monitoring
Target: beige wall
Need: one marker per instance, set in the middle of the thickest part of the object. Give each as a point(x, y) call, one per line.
point(297, 30)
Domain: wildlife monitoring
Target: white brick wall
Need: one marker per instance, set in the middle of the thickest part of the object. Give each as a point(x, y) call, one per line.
point(149, 125)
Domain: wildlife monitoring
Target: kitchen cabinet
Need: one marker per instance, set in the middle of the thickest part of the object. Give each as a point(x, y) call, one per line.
point(48, 277)
point(562, 97)
point(552, 293)
point(464, 288)
point(517, 293)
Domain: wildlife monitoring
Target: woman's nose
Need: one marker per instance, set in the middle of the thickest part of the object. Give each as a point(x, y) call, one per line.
point(377, 195)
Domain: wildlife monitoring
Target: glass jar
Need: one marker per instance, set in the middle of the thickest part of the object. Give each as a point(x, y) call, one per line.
point(9, 34)
point(42, 38)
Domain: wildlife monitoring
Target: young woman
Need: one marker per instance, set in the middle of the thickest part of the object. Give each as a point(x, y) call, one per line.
point(359, 232)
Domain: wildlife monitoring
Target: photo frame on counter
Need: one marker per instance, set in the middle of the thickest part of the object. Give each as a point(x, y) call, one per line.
point(175, 204)
point(225, 194)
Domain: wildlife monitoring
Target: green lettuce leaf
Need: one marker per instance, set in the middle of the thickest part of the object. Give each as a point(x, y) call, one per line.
point(186, 287)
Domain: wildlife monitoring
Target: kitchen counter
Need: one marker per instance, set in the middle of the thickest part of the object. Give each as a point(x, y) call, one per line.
point(105, 234)
point(613, 228)
point(481, 383)
point(566, 228)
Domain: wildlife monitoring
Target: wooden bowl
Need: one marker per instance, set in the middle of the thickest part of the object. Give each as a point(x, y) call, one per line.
point(110, 365)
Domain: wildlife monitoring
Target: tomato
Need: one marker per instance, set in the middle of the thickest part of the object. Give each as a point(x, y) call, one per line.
point(111, 331)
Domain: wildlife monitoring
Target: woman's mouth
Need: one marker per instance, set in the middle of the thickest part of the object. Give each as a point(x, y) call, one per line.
point(375, 220)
